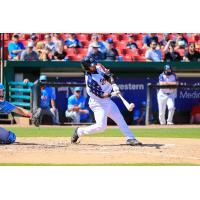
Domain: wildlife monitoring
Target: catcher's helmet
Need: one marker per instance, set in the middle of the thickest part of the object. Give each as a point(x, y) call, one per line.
point(88, 62)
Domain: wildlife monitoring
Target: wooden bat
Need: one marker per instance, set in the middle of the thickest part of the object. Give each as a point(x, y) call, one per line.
point(129, 106)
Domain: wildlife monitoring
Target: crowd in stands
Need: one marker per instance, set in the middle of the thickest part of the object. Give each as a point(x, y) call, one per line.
point(109, 46)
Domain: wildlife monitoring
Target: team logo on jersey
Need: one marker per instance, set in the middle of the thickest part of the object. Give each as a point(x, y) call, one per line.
point(102, 81)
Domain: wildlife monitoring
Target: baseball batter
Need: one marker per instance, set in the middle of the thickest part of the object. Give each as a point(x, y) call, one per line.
point(100, 86)
point(166, 97)
point(8, 137)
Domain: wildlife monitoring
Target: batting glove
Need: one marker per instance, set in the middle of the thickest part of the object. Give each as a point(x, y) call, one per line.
point(114, 94)
point(115, 87)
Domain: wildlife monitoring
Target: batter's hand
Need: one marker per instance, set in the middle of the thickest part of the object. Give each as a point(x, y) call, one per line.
point(115, 87)
point(114, 94)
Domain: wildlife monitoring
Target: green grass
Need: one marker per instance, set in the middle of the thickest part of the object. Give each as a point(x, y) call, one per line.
point(139, 132)
point(112, 164)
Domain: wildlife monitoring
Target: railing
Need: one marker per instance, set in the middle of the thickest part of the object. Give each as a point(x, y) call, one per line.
point(20, 94)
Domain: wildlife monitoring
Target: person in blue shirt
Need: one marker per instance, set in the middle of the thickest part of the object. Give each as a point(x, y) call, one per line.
point(140, 114)
point(96, 53)
point(72, 41)
point(15, 47)
point(101, 44)
point(76, 107)
point(148, 39)
point(47, 102)
point(8, 137)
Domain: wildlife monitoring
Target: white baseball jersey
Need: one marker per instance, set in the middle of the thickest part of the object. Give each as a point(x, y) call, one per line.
point(164, 78)
point(96, 83)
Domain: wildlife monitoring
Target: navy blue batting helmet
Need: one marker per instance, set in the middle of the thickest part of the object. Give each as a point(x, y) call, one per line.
point(88, 62)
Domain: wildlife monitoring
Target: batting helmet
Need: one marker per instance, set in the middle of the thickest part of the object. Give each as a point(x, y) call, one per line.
point(88, 62)
point(167, 66)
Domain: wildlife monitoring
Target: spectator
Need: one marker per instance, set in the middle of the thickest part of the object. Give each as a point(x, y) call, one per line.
point(29, 54)
point(153, 54)
point(47, 98)
point(76, 107)
point(111, 52)
point(49, 45)
point(15, 47)
point(95, 53)
point(170, 53)
point(191, 55)
point(60, 53)
point(95, 39)
point(57, 38)
point(34, 39)
point(195, 114)
point(165, 40)
point(140, 114)
point(131, 42)
point(41, 51)
point(181, 41)
point(148, 39)
point(72, 41)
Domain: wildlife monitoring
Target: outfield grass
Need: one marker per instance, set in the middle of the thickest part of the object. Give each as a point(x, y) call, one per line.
point(68, 131)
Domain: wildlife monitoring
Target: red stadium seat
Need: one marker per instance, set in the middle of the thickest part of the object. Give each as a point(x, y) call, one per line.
point(82, 51)
point(121, 45)
point(75, 57)
point(82, 36)
point(70, 51)
point(85, 43)
point(181, 52)
point(127, 58)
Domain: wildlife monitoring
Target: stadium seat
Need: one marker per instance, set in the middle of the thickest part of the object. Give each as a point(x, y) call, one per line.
point(70, 51)
point(127, 58)
point(82, 37)
point(85, 43)
point(181, 52)
point(82, 51)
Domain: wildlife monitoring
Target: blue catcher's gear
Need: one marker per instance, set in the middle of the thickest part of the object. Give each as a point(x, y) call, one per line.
point(7, 137)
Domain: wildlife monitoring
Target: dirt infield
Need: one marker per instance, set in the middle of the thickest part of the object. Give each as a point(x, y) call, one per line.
point(100, 150)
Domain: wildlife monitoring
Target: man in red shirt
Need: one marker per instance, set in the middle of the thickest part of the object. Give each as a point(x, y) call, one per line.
point(195, 114)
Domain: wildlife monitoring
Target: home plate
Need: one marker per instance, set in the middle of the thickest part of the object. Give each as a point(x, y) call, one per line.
point(168, 145)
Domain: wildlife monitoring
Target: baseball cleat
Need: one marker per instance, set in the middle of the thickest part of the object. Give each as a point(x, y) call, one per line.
point(74, 137)
point(133, 142)
point(170, 123)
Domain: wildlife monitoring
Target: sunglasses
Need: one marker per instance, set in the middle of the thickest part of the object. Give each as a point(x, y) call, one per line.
point(1, 97)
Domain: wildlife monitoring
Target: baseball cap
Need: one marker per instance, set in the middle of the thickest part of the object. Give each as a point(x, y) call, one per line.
point(43, 78)
point(34, 37)
point(143, 104)
point(95, 35)
point(16, 35)
point(1, 87)
point(30, 44)
point(110, 40)
point(77, 89)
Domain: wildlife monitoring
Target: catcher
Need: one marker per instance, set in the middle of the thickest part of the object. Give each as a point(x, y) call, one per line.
point(8, 137)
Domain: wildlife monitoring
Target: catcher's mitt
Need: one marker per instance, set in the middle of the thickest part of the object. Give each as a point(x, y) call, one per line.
point(36, 118)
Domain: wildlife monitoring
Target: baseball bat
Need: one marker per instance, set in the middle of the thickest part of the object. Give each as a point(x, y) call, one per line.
point(129, 106)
